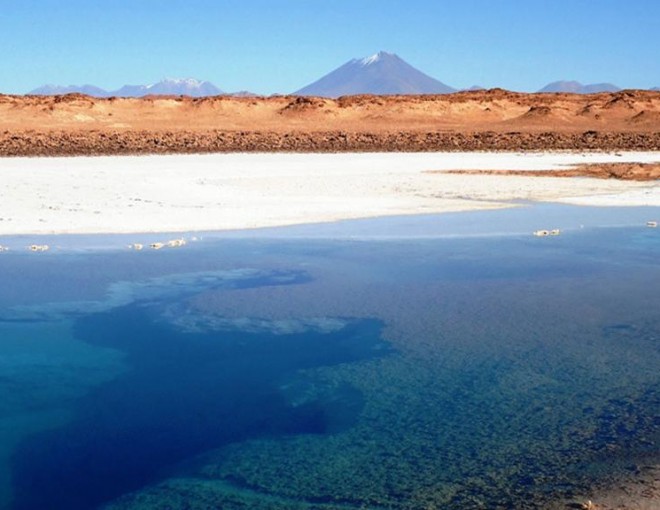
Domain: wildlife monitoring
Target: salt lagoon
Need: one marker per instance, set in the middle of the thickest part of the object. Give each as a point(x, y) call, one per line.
point(437, 366)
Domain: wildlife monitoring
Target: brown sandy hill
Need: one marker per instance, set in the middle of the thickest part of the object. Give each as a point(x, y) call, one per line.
point(648, 118)
point(76, 123)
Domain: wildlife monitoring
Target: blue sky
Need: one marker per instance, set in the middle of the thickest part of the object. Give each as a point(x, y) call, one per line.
point(282, 45)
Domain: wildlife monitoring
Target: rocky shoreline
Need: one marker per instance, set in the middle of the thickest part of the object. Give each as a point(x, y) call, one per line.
point(102, 142)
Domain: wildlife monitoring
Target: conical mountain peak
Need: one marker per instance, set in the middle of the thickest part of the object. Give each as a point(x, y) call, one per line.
point(381, 73)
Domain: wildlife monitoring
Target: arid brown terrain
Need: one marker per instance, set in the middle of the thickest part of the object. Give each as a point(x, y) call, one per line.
point(622, 171)
point(480, 120)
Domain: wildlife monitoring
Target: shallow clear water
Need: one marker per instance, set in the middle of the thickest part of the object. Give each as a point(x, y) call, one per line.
point(463, 372)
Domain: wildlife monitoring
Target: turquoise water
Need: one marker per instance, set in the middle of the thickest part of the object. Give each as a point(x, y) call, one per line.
point(462, 372)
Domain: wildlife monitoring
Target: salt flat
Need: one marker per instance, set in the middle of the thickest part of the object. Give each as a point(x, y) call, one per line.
point(123, 194)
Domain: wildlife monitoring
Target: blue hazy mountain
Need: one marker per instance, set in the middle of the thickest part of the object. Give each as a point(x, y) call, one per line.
point(169, 86)
point(57, 90)
point(575, 87)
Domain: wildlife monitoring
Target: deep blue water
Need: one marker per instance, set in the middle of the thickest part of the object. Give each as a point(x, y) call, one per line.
point(291, 373)
point(184, 394)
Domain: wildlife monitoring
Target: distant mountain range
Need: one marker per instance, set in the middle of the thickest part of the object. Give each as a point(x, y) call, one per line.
point(174, 87)
point(57, 90)
point(382, 73)
point(575, 87)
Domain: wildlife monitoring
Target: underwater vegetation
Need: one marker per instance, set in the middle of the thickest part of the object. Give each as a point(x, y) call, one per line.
point(452, 373)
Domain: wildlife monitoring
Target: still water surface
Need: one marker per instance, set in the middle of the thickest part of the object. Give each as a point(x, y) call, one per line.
point(302, 373)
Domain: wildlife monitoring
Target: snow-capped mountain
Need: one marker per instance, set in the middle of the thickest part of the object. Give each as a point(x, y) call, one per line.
point(382, 73)
point(576, 87)
point(169, 86)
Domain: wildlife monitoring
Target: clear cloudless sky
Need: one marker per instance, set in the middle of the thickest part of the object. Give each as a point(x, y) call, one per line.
point(269, 46)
